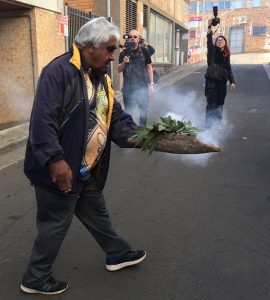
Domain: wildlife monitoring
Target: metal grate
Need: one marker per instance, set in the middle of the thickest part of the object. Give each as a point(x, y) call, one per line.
point(145, 16)
point(131, 15)
point(76, 19)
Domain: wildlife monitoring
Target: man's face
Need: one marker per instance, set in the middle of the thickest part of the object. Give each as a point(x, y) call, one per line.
point(134, 36)
point(99, 58)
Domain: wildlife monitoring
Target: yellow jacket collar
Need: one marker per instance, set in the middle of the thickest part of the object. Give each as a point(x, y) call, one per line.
point(76, 57)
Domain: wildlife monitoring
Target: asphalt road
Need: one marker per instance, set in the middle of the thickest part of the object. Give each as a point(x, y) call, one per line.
point(203, 220)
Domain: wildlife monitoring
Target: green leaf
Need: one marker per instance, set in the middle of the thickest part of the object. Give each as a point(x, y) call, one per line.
point(146, 138)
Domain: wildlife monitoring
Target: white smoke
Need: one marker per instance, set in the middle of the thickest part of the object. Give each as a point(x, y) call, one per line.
point(191, 107)
point(17, 97)
point(188, 107)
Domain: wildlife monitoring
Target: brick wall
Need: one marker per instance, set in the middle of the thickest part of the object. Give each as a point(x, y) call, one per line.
point(16, 78)
point(254, 17)
point(123, 13)
point(166, 6)
point(139, 17)
point(27, 43)
point(49, 43)
point(84, 5)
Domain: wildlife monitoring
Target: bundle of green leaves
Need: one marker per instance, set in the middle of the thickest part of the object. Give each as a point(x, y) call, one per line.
point(146, 137)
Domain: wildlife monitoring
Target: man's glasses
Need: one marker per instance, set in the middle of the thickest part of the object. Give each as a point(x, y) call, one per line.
point(132, 36)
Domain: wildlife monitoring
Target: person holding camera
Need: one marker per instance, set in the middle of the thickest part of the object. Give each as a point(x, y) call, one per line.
point(143, 43)
point(219, 71)
point(136, 64)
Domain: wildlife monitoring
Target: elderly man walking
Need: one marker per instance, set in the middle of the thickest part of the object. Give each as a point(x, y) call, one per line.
point(74, 119)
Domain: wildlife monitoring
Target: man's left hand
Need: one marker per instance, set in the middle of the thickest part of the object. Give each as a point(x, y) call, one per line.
point(233, 87)
point(61, 174)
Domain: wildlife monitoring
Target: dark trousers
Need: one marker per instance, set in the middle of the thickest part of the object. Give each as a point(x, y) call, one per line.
point(54, 217)
point(138, 96)
point(215, 92)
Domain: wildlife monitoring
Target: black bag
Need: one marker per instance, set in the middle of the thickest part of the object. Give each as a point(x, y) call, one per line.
point(216, 72)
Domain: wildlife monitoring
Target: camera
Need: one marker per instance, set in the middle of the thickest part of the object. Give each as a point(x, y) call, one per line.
point(129, 45)
point(216, 19)
point(141, 41)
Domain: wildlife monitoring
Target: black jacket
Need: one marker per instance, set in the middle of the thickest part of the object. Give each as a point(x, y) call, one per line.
point(215, 55)
point(59, 123)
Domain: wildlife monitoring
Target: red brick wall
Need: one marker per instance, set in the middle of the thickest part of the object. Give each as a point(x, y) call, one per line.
point(84, 5)
point(255, 17)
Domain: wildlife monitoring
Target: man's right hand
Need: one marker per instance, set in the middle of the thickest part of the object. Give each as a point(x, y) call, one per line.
point(61, 174)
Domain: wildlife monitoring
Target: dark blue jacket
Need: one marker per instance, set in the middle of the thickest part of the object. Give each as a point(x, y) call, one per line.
point(59, 123)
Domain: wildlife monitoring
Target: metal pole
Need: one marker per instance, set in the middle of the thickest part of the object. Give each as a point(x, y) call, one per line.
point(108, 8)
point(67, 37)
point(108, 15)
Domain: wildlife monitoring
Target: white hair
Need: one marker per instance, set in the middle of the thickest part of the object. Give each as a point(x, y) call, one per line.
point(96, 32)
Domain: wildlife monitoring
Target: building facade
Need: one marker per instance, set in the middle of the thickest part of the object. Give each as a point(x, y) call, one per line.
point(245, 23)
point(29, 39)
point(33, 32)
point(164, 24)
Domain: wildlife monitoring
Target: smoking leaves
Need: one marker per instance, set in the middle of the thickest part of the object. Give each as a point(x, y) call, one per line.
point(146, 137)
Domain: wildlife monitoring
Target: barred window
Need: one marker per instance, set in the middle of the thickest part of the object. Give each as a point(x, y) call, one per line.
point(254, 3)
point(131, 15)
point(145, 16)
point(223, 5)
point(258, 30)
point(193, 6)
point(208, 6)
point(237, 4)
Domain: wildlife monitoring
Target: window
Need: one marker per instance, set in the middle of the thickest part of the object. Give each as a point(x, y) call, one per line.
point(193, 6)
point(161, 38)
point(131, 15)
point(258, 30)
point(254, 3)
point(208, 6)
point(227, 4)
point(223, 5)
point(237, 4)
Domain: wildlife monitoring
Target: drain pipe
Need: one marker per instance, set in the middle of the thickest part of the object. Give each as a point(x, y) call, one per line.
point(32, 53)
point(108, 15)
point(108, 9)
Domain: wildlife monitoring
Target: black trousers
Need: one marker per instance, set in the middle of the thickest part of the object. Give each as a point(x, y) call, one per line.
point(54, 217)
point(137, 96)
point(215, 92)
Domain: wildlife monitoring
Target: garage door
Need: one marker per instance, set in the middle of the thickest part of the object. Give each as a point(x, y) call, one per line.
point(237, 40)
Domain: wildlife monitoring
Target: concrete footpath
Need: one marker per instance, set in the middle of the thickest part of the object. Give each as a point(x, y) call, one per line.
point(16, 136)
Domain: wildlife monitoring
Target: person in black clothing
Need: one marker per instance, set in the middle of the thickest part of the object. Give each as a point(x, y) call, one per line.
point(218, 73)
point(136, 65)
point(74, 119)
point(143, 43)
